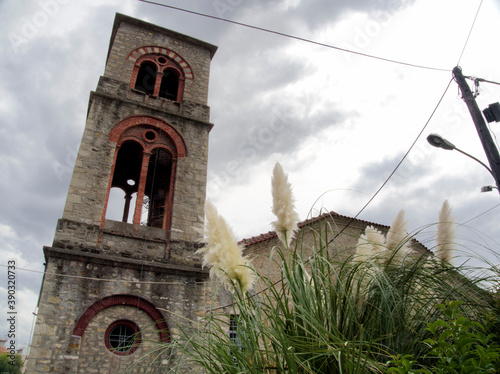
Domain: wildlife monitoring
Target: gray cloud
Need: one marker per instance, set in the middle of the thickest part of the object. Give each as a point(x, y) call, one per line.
point(310, 15)
point(420, 192)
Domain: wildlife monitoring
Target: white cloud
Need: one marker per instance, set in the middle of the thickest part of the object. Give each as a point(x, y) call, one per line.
point(6, 232)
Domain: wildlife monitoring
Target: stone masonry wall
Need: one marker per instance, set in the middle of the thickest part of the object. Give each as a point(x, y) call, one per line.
point(307, 238)
point(188, 109)
point(180, 292)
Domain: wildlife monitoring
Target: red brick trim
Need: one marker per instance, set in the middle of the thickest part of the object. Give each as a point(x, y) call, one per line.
point(141, 51)
point(128, 122)
point(135, 301)
point(103, 218)
point(134, 139)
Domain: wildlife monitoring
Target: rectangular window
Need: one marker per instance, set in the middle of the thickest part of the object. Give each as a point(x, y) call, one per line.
point(233, 330)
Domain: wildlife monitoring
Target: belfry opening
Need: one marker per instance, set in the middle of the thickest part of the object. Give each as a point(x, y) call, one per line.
point(143, 176)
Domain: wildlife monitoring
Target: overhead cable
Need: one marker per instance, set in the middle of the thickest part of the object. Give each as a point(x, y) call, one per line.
point(397, 166)
point(470, 32)
point(101, 279)
point(294, 37)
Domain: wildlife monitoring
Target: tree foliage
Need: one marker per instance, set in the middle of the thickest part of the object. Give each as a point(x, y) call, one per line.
point(7, 365)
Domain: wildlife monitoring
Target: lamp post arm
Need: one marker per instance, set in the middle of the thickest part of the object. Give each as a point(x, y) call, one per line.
point(478, 160)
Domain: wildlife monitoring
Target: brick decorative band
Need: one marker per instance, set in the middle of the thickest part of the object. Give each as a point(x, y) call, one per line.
point(142, 51)
point(128, 122)
point(135, 301)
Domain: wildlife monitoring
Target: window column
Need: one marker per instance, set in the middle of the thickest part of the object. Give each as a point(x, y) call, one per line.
point(159, 75)
point(126, 208)
point(141, 188)
point(167, 219)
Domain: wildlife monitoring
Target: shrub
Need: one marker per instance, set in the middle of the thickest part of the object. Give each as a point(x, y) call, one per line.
point(457, 345)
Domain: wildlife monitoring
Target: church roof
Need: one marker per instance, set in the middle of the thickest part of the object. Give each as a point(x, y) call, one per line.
point(333, 215)
point(329, 215)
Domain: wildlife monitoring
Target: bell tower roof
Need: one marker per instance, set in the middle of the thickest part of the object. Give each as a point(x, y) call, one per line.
point(122, 18)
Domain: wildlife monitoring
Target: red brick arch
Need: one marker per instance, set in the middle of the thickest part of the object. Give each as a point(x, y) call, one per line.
point(146, 50)
point(131, 300)
point(128, 122)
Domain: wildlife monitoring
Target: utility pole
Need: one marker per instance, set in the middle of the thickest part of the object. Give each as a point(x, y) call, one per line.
point(484, 135)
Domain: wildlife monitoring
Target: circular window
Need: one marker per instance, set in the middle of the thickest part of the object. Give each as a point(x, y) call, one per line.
point(122, 337)
point(150, 135)
point(162, 60)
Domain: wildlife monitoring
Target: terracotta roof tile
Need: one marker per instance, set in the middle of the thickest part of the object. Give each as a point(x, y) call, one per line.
point(271, 234)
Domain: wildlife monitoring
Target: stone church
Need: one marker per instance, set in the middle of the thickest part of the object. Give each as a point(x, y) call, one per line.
point(122, 273)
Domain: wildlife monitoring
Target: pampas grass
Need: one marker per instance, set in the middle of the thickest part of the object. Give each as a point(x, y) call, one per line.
point(223, 254)
point(283, 206)
point(397, 240)
point(397, 232)
point(445, 236)
point(370, 245)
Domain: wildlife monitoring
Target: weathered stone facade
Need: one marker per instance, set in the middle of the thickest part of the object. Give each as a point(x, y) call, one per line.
point(141, 274)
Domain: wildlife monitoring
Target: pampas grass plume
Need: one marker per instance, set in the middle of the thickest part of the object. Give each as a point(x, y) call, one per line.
point(283, 206)
point(445, 236)
point(370, 244)
point(223, 254)
point(397, 232)
point(397, 237)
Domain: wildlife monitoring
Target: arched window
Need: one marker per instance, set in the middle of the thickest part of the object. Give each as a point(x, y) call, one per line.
point(160, 75)
point(144, 169)
point(146, 78)
point(169, 84)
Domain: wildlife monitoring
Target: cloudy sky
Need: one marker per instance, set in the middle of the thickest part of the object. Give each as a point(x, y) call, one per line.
point(338, 122)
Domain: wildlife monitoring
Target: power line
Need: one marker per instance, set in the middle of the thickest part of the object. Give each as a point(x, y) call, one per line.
point(482, 214)
point(101, 279)
point(397, 166)
point(470, 32)
point(418, 136)
point(294, 37)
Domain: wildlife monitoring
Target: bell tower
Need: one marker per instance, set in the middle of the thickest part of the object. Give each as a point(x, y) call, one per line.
point(122, 270)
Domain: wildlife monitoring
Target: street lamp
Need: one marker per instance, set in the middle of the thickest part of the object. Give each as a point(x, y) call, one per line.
point(440, 142)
